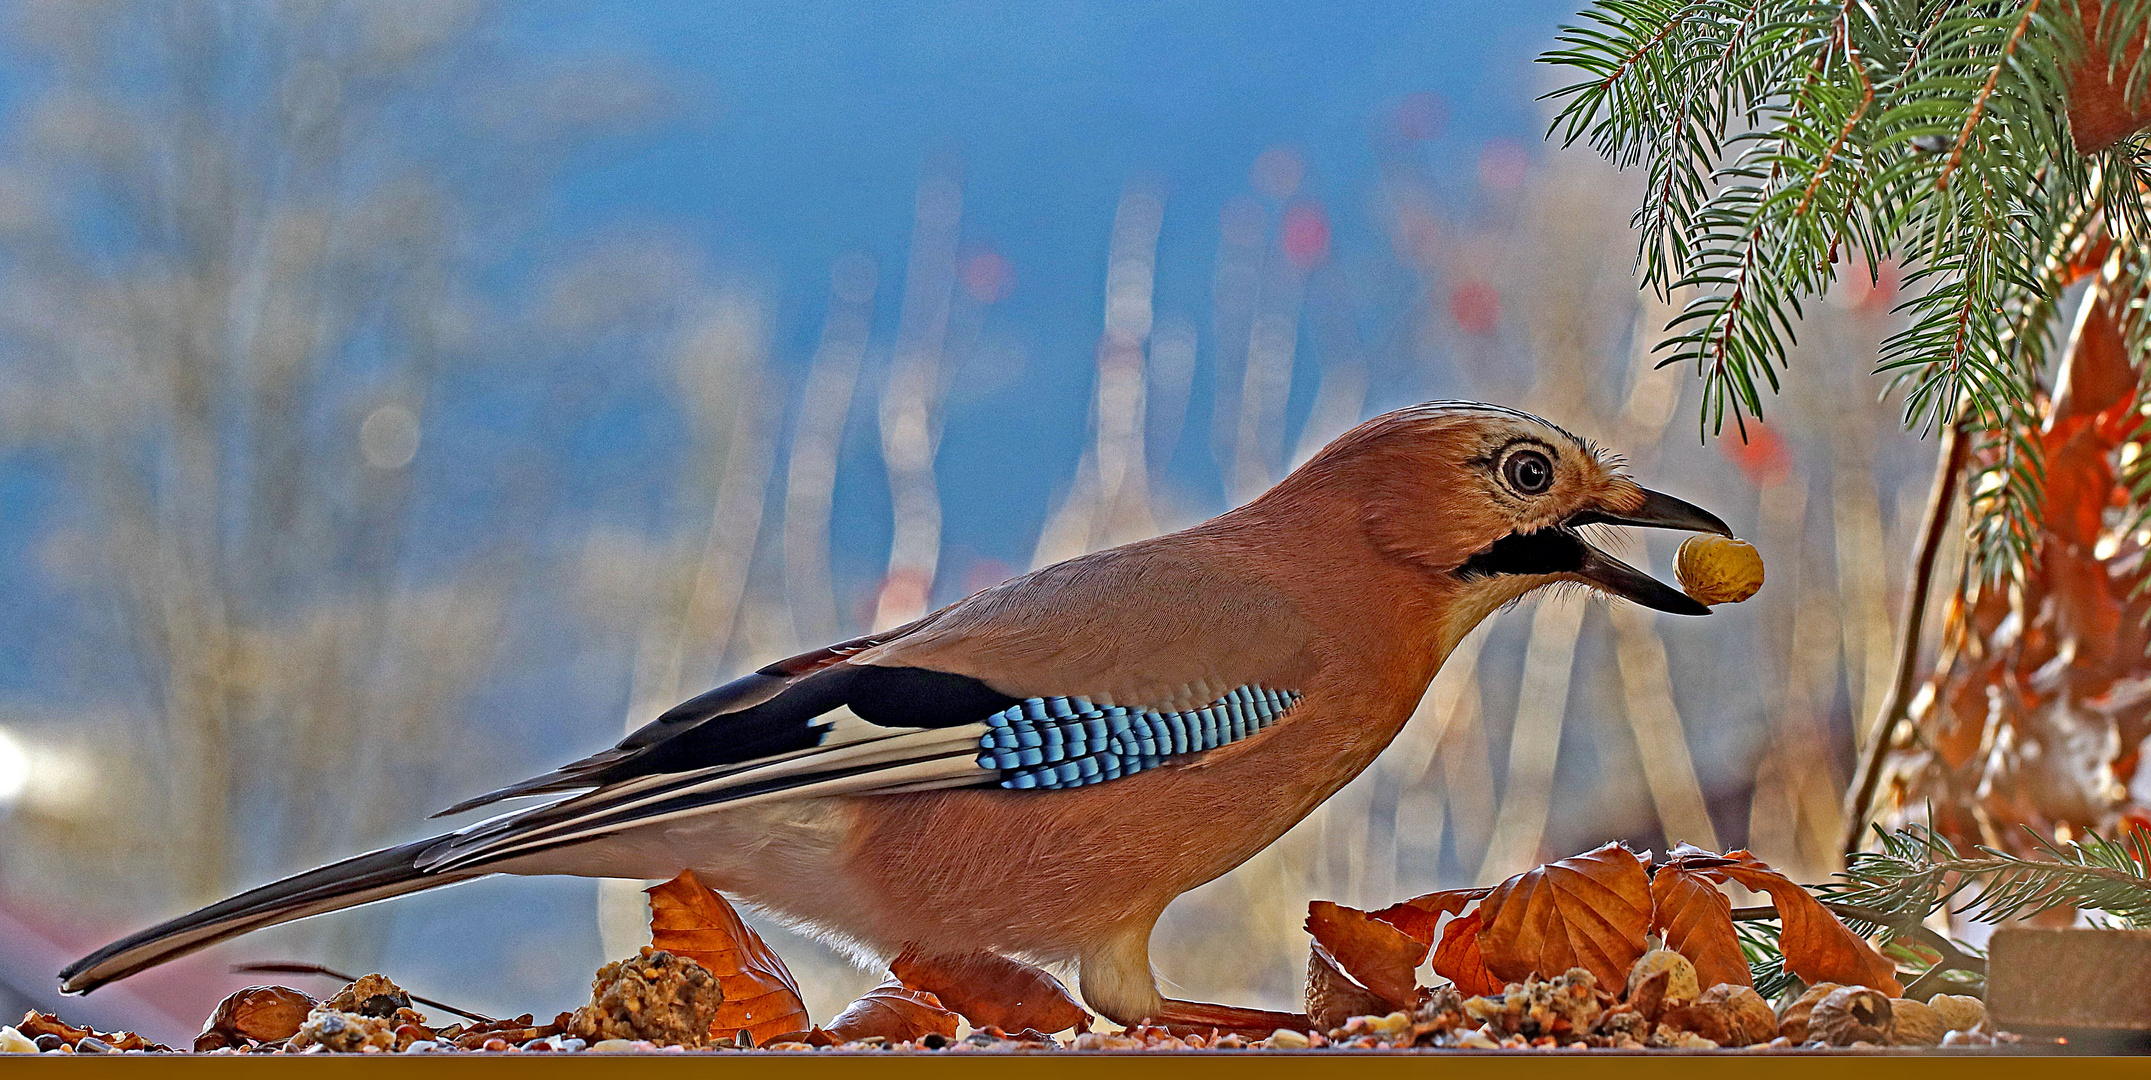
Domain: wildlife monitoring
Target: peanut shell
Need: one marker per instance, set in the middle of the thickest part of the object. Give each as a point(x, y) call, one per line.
point(1915, 1023)
point(1960, 1012)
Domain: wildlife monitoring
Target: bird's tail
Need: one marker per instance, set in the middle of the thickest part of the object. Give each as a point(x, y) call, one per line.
point(361, 879)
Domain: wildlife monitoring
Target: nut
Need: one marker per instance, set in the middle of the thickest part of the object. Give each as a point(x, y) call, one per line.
point(1960, 1012)
point(1915, 1023)
point(256, 1014)
point(1757, 1024)
point(1332, 997)
point(1713, 1020)
point(1792, 1023)
point(1851, 1014)
point(1681, 983)
point(1718, 569)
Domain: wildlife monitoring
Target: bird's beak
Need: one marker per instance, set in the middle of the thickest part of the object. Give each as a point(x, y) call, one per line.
point(1656, 510)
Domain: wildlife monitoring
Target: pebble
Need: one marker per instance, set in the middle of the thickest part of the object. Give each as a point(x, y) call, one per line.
point(422, 1046)
point(615, 1046)
point(91, 1044)
point(15, 1042)
point(494, 1046)
point(49, 1042)
point(569, 1046)
point(539, 1046)
point(1287, 1039)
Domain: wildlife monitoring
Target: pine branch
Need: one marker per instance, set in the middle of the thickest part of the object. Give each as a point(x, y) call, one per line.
point(1787, 140)
point(1986, 93)
point(1919, 872)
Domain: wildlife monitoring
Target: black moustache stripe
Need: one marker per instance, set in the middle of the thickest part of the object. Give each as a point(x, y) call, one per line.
point(1546, 551)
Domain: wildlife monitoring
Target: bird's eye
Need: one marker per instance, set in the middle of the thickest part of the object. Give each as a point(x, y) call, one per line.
point(1528, 472)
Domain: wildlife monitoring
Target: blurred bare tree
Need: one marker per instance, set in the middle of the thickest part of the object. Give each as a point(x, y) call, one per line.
point(241, 288)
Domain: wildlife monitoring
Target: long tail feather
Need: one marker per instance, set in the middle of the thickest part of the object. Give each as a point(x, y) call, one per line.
point(361, 879)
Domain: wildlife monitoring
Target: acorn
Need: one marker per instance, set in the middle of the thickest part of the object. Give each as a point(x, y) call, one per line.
point(1718, 569)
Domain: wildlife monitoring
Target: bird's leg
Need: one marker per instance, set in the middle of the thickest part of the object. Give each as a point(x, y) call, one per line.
point(1118, 983)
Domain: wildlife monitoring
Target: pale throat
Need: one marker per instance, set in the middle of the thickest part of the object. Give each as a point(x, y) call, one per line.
point(1474, 600)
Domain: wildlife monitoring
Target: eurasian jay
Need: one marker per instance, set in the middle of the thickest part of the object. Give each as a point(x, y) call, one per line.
point(1039, 768)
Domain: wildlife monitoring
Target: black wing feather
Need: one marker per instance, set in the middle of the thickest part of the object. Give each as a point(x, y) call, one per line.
point(766, 714)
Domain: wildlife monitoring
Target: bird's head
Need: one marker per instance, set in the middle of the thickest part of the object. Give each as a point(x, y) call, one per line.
point(1495, 502)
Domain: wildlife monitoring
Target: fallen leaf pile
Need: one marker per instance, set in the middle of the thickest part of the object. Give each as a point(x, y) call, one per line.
point(1565, 950)
point(1597, 951)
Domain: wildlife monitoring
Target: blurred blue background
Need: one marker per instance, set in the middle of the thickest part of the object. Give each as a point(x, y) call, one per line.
point(807, 128)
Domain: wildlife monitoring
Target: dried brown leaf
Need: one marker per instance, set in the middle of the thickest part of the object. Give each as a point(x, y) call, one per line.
point(760, 995)
point(991, 990)
point(1817, 947)
point(1648, 996)
point(1588, 911)
point(894, 1012)
point(1696, 921)
point(1457, 958)
point(1419, 916)
point(1379, 956)
point(2102, 112)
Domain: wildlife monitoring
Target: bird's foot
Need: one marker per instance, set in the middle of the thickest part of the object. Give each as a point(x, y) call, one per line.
point(1202, 1018)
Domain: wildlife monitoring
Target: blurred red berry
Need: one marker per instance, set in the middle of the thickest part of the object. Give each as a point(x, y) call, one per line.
point(1475, 306)
point(1763, 458)
point(987, 277)
point(1305, 235)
